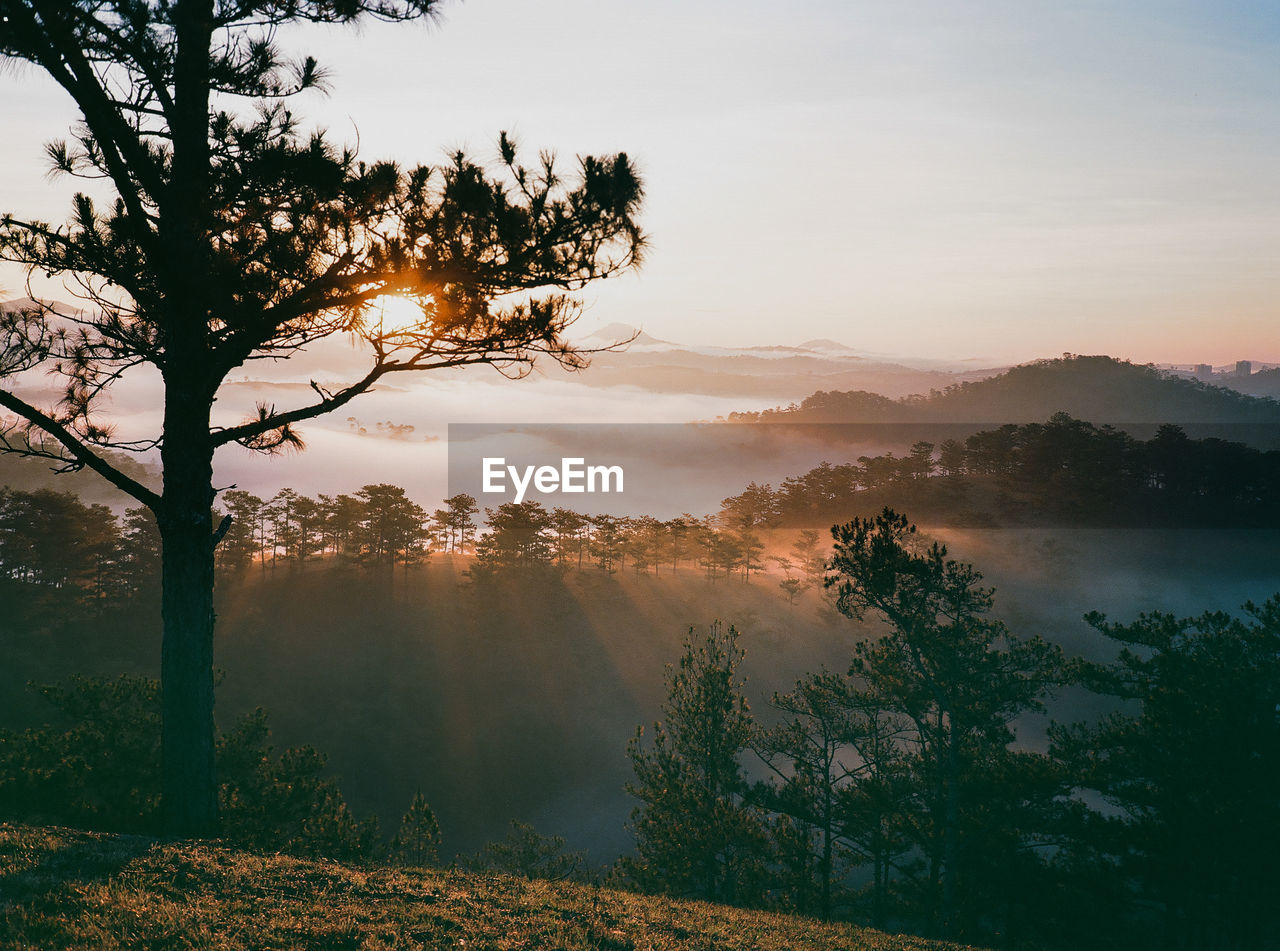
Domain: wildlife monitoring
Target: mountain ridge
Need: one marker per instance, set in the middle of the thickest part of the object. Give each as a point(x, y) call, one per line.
point(1099, 389)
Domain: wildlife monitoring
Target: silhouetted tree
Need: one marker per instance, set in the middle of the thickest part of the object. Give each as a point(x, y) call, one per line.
point(842, 776)
point(289, 537)
point(525, 852)
point(791, 586)
point(803, 750)
point(137, 561)
point(518, 537)
point(391, 527)
point(954, 672)
point(417, 842)
point(743, 516)
point(695, 834)
point(921, 463)
point(456, 521)
point(232, 234)
point(59, 546)
point(606, 541)
point(678, 539)
point(240, 544)
point(343, 515)
point(952, 459)
point(878, 805)
point(570, 530)
point(1190, 774)
point(643, 542)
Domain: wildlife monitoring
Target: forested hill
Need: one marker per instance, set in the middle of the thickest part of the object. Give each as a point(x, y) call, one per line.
point(30, 474)
point(1093, 388)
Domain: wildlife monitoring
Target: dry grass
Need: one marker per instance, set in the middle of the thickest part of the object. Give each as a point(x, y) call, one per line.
point(61, 888)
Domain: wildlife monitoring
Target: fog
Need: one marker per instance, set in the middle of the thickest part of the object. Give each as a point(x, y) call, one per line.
point(516, 698)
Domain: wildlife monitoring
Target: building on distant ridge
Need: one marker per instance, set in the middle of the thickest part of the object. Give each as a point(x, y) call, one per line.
point(1203, 371)
point(1244, 367)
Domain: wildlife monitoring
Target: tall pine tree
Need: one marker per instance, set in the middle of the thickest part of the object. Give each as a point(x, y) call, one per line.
point(695, 834)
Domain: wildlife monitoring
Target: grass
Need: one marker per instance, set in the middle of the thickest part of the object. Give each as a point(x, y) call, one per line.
point(61, 888)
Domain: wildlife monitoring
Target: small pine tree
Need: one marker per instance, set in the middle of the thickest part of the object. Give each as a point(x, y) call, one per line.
point(695, 834)
point(527, 853)
point(372, 846)
point(417, 842)
point(332, 831)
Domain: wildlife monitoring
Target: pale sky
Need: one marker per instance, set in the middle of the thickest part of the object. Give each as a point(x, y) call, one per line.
point(1003, 180)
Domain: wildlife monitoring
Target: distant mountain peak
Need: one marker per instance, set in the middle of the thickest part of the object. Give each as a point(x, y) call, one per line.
point(26, 303)
point(825, 343)
point(617, 332)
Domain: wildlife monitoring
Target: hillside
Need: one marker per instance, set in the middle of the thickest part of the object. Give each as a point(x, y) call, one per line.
point(29, 474)
point(1095, 388)
point(1262, 383)
point(67, 889)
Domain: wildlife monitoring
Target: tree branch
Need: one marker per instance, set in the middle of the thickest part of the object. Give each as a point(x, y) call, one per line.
point(258, 427)
point(81, 455)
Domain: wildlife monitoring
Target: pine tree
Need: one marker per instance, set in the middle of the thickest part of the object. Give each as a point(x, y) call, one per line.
point(230, 232)
point(695, 834)
point(804, 751)
point(525, 852)
point(1189, 768)
point(956, 674)
point(417, 842)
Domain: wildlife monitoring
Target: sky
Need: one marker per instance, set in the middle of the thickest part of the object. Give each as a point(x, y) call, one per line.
point(991, 180)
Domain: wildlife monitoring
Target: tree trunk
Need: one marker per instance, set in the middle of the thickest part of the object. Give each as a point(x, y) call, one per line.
point(827, 846)
point(950, 835)
point(190, 788)
point(186, 532)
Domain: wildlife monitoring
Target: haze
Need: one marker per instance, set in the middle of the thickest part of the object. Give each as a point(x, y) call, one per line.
point(999, 180)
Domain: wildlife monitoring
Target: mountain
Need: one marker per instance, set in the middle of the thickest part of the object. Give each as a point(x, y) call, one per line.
point(1099, 389)
point(62, 308)
point(823, 343)
point(617, 333)
point(779, 372)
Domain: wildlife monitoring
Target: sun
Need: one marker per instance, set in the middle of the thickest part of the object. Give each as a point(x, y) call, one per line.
point(391, 313)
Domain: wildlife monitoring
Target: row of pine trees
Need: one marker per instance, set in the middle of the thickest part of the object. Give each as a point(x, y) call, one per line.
point(52, 539)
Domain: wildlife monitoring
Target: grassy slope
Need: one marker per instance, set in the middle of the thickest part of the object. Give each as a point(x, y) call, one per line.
point(65, 889)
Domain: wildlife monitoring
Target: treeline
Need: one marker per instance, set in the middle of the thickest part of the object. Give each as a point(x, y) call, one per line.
point(1063, 471)
point(902, 790)
point(377, 526)
point(528, 535)
point(51, 541)
point(900, 795)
